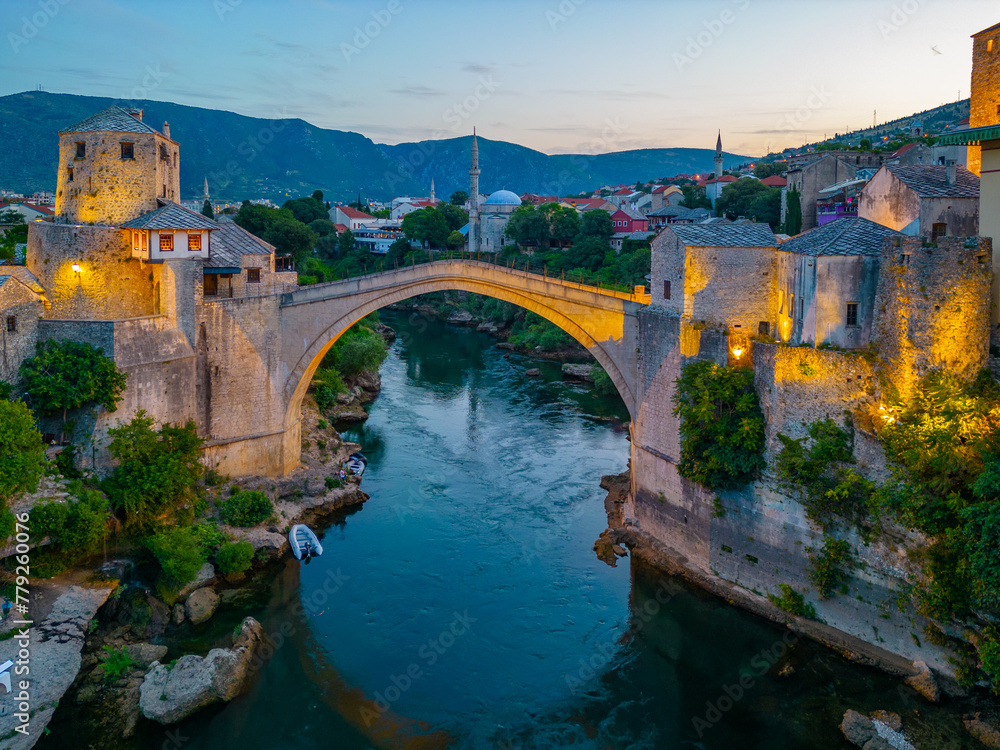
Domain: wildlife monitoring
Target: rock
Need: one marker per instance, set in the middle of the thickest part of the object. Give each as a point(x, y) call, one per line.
point(460, 316)
point(344, 398)
point(857, 728)
point(923, 682)
point(578, 372)
point(487, 327)
point(171, 694)
point(534, 372)
point(619, 550)
point(888, 738)
point(180, 614)
point(893, 721)
point(145, 654)
point(205, 576)
point(114, 569)
point(983, 731)
point(141, 615)
point(201, 605)
point(56, 643)
point(786, 671)
point(261, 538)
point(506, 346)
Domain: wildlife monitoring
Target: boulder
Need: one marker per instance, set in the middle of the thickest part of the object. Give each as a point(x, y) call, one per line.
point(487, 327)
point(205, 576)
point(114, 569)
point(983, 731)
point(923, 682)
point(857, 728)
point(145, 654)
point(578, 372)
point(534, 372)
point(179, 614)
point(462, 317)
point(880, 731)
point(201, 605)
point(169, 695)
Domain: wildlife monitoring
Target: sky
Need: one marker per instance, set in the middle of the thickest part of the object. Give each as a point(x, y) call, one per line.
point(559, 76)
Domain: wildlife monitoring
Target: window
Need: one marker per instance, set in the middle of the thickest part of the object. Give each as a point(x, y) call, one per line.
point(852, 313)
point(764, 328)
point(128, 150)
point(211, 285)
point(940, 229)
point(194, 242)
point(11, 324)
point(166, 242)
point(666, 289)
point(175, 160)
point(81, 150)
point(791, 305)
point(164, 154)
point(802, 307)
point(989, 45)
point(69, 174)
point(253, 275)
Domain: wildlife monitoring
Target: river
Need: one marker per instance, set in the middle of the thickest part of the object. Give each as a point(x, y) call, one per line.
point(463, 605)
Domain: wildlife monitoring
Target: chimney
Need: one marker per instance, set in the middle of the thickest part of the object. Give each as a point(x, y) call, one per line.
point(166, 128)
point(136, 113)
point(951, 171)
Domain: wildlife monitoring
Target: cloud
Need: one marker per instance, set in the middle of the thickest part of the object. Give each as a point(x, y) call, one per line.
point(477, 68)
point(417, 90)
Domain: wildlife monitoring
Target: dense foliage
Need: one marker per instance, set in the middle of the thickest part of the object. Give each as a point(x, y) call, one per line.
point(15, 234)
point(22, 452)
point(751, 199)
point(793, 602)
point(793, 212)
point(830, 568)
point(722, 426)
point(246, 508)
point(77, 528)
point(156, 469)
point(234, 558)
point(65, 375)
point(181, 552)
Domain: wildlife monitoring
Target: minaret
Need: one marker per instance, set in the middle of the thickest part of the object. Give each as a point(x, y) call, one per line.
point(206, 190)
point(474, 197)
point(718, 157)
point(433, 201)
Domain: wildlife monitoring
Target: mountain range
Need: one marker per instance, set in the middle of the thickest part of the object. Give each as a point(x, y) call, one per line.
point(252, 157)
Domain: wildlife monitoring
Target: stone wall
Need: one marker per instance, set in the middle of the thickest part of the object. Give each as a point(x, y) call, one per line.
point(887, 201)
point(107, 189)
point(984, 106)
point(932, 308)
point(17, 301)
point(110, 285)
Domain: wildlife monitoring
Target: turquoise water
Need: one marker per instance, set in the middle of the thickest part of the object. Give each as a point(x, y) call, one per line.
point(463, 605)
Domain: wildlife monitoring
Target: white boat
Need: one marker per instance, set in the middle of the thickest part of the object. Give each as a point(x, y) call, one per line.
point(357, 463)
point(304, 542)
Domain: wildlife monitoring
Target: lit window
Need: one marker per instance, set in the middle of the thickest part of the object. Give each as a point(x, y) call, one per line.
point(81, 150)
point(128, 151)
point(166, 242)
point(11, 324)
point(194, 242)
point(989, 45)
point(253, 275)
point(852, 313)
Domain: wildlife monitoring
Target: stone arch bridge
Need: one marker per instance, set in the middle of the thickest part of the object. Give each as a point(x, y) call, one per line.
point(256, 356)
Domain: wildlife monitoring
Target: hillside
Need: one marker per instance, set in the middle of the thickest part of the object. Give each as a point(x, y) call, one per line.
point(248, 157)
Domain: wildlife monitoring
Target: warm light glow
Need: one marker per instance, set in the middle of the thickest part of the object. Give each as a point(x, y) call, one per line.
point(738, 352)
point(886, 414)
point(76, 268)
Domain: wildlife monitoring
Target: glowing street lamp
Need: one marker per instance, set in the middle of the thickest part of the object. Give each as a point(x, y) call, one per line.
point(76, 268)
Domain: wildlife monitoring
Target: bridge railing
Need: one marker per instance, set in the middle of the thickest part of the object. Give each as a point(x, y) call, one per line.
point(530, 268)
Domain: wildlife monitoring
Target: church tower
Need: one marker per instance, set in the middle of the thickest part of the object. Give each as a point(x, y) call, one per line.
point(718, 157)
point(474, 197)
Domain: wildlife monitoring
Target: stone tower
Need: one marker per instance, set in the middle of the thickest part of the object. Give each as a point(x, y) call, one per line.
point(113, 167)
point(984, 106)
point(474, 196)
point(718, 157)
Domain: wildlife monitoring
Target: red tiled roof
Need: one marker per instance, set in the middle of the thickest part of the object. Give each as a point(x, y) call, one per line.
point(353, 213)
point(904, 149)
point(341, 228)
point(623, 191)
point(41, 209)
point(774, 181)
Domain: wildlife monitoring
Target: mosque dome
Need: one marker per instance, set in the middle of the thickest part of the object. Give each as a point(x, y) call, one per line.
point(503, 198)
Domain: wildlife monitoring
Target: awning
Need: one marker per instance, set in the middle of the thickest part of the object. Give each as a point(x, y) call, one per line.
point(972, 136)
point(221, 270)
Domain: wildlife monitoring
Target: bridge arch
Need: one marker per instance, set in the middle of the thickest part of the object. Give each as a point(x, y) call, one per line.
point(585, 326)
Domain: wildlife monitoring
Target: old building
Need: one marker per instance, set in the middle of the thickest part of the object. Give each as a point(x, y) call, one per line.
point(827, 279)
point(929, 200)
point(21, 308)
point(242, 265)
point(813, 176)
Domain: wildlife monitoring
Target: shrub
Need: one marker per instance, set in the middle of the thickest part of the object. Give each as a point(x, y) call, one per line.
point(76, 528)
point(117, 663)
point(180, 553)
point(234, 557)
point(830, 568)
point(333, 483)
point(246, 508)
point(793, 602)
point(361, 353)
point(603, 384)
point(7, 523)
point(66, 375)
point(156, 470)
point(22, 452)
point(65, 462)
point(722, 426)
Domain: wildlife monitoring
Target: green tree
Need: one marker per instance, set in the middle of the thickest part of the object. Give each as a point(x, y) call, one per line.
point(455, 240)
point(291, 237)
point(564, 222)
point(322, 227)
point(748, 198)
point(345, 243)
point(694, 197)
point(763, 170)
point(206, 209)
point(66, 375)
point(180, 553)
point(865, 145)
point(458, 198)
point(589, 253)
point(528, 226)
point(22, 452)
point(306, 210)
point(16, 232)
point(318, 196)
point(596, 224)
point(426, 225)
point(793, 212)
point(455, 217)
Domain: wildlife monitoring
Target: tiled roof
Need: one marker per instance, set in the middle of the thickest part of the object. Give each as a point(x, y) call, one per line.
point(113, 119)
point(774, 181)
point(671, 211)
point(725, 235)
point(634, 215)
point(931, 181)
point(171, 216)
point(232, 242)
point(40, 209)
point(353, 213)
point(26, 277)
point(853, 236)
